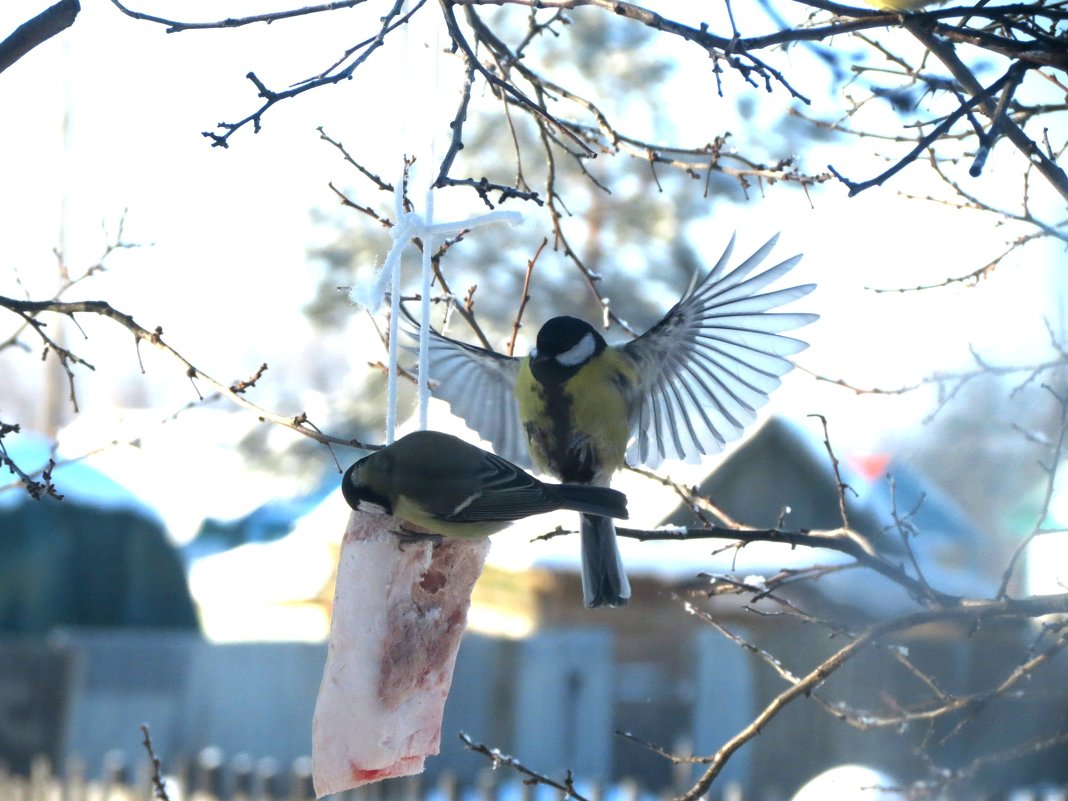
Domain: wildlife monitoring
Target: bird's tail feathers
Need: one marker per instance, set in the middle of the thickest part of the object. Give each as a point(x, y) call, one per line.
point(602, 501)
point(604, 581)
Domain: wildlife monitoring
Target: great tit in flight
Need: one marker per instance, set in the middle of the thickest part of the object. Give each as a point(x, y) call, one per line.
point(580, 409)
point(446, 486)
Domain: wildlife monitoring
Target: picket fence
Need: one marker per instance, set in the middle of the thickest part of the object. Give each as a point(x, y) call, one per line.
point(209, 778)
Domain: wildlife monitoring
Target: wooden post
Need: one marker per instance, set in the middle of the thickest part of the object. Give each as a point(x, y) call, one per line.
point(208, 785)
point(300, 783)
point(448, 786)
point(75, 787)
point(486, 785)
point(243, 769)
point(116, 775)
point(269, 780)
point(411, 788)
point(41, 779)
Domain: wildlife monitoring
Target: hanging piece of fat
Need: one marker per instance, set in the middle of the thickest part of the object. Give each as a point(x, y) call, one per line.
point(399, 612)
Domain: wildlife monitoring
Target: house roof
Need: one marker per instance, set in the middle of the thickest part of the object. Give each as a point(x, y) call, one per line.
point(785, 465)
point(77, 481)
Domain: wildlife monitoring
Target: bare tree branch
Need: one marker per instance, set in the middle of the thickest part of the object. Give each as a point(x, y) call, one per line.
point(234, 392)
point(391, 21)
point(54, 19)
point(524, 297)
point(1050, 468)
point(977, 612)
point(35, 489)
point(566, 786)
point(1053, 173)
point(842, 540)
point(175, 26)
point(928, 139)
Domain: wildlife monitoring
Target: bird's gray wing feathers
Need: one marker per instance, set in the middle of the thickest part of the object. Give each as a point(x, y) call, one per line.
point(479, 387)
point(712, 360)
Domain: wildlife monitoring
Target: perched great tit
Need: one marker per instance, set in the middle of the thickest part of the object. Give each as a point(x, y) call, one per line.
point(580, 409)
point(446, 486)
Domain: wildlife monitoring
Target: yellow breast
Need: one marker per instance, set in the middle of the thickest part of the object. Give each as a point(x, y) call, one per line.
point(589, 410)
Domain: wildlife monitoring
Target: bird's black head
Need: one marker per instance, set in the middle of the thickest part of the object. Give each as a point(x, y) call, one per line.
point(357, 489)
point(567, 342)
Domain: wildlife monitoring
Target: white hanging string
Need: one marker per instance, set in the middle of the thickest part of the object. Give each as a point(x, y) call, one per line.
point(394, 348)
point(409, 225)
point(423, 374)
point(423, 371)
point(403, 135)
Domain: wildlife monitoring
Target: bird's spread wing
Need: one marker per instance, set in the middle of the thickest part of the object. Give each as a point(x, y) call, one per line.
point(505, 493)
point(479, 387)
point(711, 362)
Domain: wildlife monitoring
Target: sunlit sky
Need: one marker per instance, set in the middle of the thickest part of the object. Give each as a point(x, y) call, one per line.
point(224, 269)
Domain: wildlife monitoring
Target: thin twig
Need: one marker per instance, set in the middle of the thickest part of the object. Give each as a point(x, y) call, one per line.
point(298, 423)
point(1051, 471)
point(175, 26)
point(842, 540)
point(977, 612)
point(499, 759)
point(159, 788)
point(525, 297)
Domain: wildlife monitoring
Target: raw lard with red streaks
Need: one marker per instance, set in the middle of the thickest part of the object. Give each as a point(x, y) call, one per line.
point(399, 613)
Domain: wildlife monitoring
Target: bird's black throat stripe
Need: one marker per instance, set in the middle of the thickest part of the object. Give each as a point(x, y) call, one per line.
point(568, 459)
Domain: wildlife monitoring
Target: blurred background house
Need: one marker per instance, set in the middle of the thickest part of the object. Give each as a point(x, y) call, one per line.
point(100, 633)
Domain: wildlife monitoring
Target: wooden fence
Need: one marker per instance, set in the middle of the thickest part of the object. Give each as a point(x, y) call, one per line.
point(210, 778)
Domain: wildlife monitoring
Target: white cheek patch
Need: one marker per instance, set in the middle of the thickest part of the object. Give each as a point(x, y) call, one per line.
point(371, 508)
point(578, 354)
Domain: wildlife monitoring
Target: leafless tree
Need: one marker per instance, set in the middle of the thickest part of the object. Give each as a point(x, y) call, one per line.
point(964, 81)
